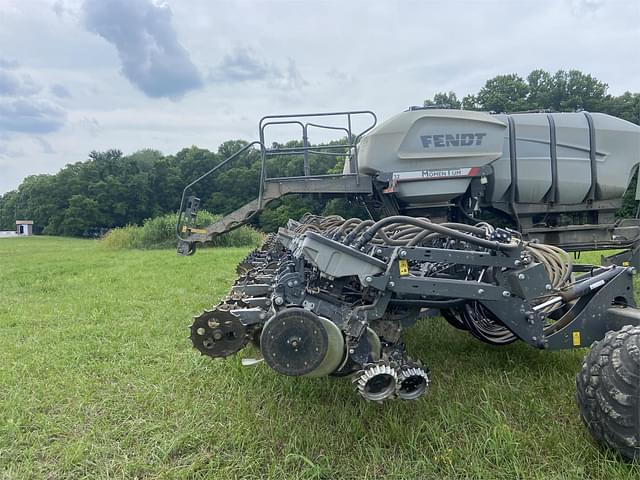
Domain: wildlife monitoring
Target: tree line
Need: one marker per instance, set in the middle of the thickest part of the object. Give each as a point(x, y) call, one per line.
point(110, 189)
point(561, 92)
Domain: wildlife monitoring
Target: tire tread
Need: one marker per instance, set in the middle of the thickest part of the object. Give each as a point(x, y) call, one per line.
point(608, 391)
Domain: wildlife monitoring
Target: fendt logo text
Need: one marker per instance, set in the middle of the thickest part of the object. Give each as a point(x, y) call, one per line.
point(452, 140)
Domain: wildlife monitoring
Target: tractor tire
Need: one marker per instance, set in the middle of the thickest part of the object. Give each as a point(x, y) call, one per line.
point(608, 391)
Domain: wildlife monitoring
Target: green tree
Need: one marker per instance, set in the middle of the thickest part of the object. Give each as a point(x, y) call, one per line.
point(504, 93)
point(542, 90)
point(81, 215)
point(9, 204)
point(578, 91)
point(470, 102)
point(292, 206)
point(625, 106)
point(444, 100)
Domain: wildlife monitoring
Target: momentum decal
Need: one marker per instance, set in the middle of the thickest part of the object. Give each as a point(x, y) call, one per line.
point(435, 174)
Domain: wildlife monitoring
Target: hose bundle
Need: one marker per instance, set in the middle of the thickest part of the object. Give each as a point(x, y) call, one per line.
point(414, 231)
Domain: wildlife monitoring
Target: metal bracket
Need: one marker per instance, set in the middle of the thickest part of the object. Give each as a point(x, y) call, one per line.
point(593, 315)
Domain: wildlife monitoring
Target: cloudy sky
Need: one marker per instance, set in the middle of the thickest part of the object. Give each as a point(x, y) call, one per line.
point(82, 75)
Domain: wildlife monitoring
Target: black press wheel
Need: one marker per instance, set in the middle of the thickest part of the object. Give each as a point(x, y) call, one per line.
point(608, 391)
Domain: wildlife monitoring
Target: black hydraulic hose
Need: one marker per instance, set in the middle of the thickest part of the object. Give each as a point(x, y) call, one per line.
point(589, 285)
point(387, 240)
point(426, 235)
point(578, 290)
point(351, 236)
point(406, 234)
point(371, 232)
point(343, 228)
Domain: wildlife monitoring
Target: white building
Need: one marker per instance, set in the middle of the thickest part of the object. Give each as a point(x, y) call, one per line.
point(24, 227)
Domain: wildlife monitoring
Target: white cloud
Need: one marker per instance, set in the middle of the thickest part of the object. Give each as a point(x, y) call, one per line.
point(152, 57)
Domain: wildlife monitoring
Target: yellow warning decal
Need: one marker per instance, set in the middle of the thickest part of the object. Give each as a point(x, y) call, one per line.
point(576, 339)
point(404, 267)
point(625, 264)
point(193, 230)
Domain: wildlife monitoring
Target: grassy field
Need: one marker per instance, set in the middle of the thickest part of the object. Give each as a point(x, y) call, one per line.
point(99, 380)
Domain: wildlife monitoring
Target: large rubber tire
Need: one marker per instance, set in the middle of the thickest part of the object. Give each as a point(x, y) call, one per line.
point(608, 391)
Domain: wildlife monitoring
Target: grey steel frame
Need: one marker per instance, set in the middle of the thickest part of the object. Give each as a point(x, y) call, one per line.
point(608, 305)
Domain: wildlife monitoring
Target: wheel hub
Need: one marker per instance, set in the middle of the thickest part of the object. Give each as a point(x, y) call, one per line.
point(294, 342)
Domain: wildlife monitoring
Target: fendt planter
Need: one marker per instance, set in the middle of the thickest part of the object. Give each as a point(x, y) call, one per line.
point(332, 296)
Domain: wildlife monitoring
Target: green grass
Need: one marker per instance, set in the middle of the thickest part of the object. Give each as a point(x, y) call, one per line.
point(98, 380)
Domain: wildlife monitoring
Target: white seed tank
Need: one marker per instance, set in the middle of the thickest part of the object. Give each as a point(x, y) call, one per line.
point(559, 158)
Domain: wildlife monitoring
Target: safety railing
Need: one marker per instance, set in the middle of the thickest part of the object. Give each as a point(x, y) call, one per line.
point(350, 149)
point(294, 119)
